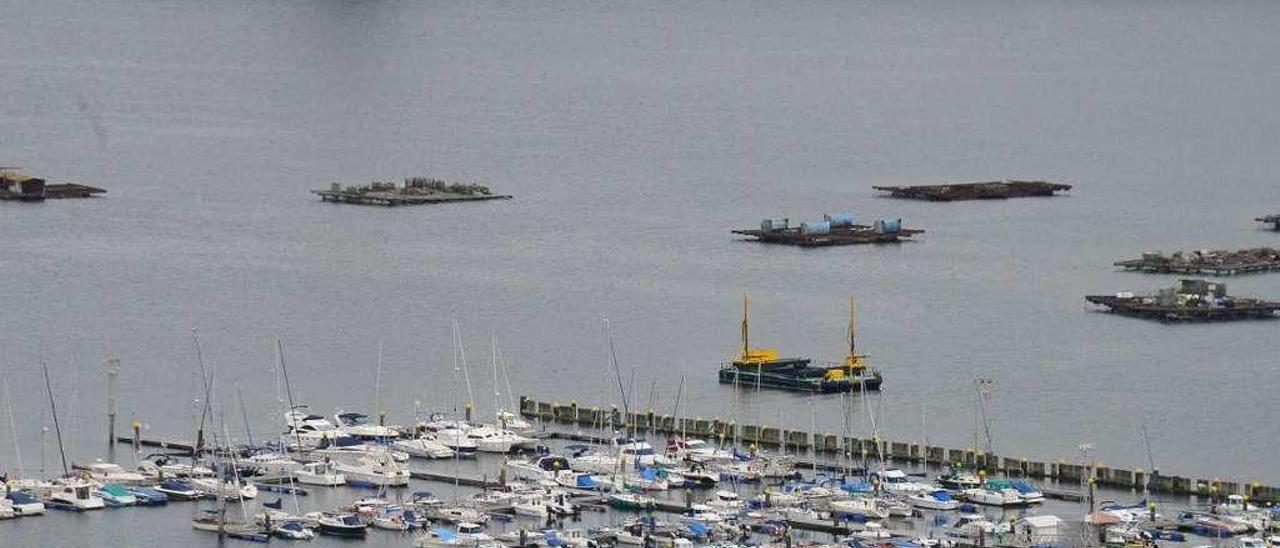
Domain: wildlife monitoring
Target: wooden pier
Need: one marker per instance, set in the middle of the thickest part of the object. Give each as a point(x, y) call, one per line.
point(1215, 262)
point(830, 445)
point(991, 190)
point(1273, 220)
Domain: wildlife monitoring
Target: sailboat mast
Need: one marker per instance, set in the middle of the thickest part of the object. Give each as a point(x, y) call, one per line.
point(497, 394)
point(13, 426)
point(853, 347)
point(746, 330)
point(53, 407)
point(284, 372)
point(377, 388)
point(466, 375)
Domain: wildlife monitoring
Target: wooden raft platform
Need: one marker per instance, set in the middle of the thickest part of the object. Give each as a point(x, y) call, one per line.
point(991, 190)
point(1137, 307)
point(395, 199)
point(856, 234)
point(1218, 262)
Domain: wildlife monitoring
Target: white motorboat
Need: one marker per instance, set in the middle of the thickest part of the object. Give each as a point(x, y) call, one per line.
point(76, 494)
point(698, 451)
point(872, 531)
point(466, 534)
point(341, 524)
point(1004, 498)
point(975, 525)
point(373, 471)
point(531, 506)
point(347, 447)
point(726, 501)
point(455, 437)
point(511, 421)
point(456, 514)
point(425, 446)
point(858, 506)
point(107, 472)
point(292, 530)
point(359, 426)
point(938, 499)
point(272, 464)
point(319, 473)
point(894, 508)
point(307, 431)
point(24, 503)
point(896, 481)
point(495, 440)
point(702, 513)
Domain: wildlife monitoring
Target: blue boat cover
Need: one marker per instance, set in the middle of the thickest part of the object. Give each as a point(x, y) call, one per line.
point(699, 529)
point(445, 534)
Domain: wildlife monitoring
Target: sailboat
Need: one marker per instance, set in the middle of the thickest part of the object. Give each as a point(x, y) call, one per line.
point(70, 492)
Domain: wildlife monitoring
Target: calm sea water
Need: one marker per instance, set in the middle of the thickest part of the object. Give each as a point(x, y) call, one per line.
point(634, 137)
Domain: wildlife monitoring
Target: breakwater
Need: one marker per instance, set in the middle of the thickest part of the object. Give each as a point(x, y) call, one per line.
point(822, 443)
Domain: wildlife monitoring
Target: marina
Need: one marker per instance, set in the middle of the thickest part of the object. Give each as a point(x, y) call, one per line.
point(1191, 300)
point(414, 191)
point(992, 190)
point(1213, 262)
point(832, 230)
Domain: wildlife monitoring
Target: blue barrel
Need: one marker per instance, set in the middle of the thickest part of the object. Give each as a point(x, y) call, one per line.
point(888, 226)
point(815, 227)
point(839, 219)
point(777, 223)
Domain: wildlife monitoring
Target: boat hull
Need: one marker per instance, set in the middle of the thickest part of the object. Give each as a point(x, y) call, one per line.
point(797, 382)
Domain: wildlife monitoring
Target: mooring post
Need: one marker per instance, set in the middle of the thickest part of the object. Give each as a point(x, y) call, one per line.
point(113, 370)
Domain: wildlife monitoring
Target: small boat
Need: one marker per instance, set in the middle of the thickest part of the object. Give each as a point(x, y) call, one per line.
point(858, 507)
point(532, 507)
point(630, 501)
point(454, 436)
point(701, 513)
point(496, 440)
point(938, 499)
point(25, 503)
point(75, 494)
point(212, 521)
point(229, 490)
point(896, 481)
point(467, 534)
point(149, 496)
point(107, 472)
point(342, 525)
point(319, 473)
point(116, 495)
point(6, 510)
point(457, 514)
point(390, 522)
point(178, 490)
point(988, 496)
point(425, 446)
point(975, 525)
point(959, 480)
point(373, 471)
point(292, 530)
point(359, 426)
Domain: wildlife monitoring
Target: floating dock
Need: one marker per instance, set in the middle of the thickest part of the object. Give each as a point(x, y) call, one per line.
point(1064, 471)
point(1213, 262)
point(992, 190)
point(832, 230)
point(1190, 301)
point(414, 191)
point(18, 186)
point(1273, 220)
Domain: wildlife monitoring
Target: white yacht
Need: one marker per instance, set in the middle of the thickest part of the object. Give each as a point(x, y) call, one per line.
point(319, 473)
point(359, 426)
point(896, 481)
point(496, 440)
point(373, 471)
point(425, 446)
point(76, 494)
point(107, 472)
point(228, 490)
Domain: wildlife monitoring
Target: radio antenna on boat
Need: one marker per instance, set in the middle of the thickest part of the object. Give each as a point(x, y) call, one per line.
point(53, 407)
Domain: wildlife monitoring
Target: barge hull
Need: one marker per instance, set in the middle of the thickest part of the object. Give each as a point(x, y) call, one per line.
point(991, 190)
point(797, 383)
point(1132, 307)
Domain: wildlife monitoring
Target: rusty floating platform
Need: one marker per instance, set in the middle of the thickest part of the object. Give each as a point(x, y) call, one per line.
point(991, 190)
point(1273, 220)
point(857, 234)
point(1214, 262)
point(1192, 300)
point(415, 191)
